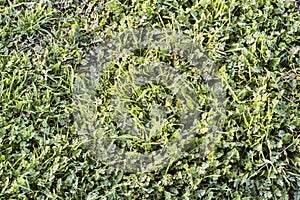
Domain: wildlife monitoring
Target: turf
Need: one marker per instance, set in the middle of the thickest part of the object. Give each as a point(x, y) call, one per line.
point(255, 45)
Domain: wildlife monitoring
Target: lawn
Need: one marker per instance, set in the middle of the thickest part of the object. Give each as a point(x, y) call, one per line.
point(68, 132)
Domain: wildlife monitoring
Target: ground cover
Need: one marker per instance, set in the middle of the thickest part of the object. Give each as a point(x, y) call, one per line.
point(255, 45)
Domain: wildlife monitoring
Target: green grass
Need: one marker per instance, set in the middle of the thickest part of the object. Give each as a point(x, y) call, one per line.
point(255, 45)
point(149, 101)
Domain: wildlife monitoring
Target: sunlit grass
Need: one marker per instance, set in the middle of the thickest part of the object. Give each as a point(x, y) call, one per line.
point(254, 46)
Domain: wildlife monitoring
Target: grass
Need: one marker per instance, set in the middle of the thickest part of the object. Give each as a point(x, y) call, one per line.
point(255, 45)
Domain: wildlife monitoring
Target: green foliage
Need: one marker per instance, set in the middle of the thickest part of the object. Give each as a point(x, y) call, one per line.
point(256, 46)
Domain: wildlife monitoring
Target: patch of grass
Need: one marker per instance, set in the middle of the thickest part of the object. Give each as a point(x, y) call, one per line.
point(254, 44)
